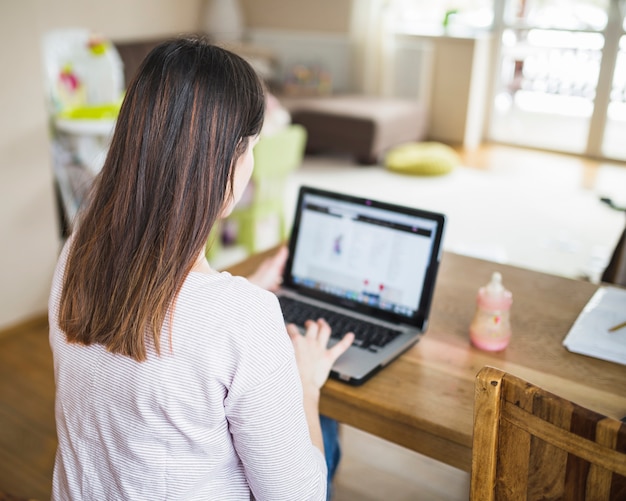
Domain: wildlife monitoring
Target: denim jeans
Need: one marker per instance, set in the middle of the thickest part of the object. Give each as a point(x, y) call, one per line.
point(330, 434)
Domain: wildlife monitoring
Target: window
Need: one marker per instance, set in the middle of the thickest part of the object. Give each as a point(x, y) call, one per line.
point(613, 144)
point(559, 67)
point(550, 53)
point(427, 16)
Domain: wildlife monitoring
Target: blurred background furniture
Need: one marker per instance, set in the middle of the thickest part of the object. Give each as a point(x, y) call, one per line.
point(360, 125)
point(258, 220)
point(133, 52)
point(82, 126)
point(83, 81)
point(531, 444)
point(260, 215)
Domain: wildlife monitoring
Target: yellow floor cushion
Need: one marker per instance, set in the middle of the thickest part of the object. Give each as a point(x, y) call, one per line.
point(425, 158)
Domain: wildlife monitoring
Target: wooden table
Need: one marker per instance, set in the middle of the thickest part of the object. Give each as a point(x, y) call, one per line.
point(424, 400)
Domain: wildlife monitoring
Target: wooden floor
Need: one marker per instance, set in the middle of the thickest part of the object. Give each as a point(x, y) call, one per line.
point(27, 431)
point(371, 469)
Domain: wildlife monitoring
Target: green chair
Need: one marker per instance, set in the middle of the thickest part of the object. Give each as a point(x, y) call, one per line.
point(258, 220)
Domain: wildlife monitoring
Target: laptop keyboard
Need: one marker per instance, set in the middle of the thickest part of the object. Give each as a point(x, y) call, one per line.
point(366, 335)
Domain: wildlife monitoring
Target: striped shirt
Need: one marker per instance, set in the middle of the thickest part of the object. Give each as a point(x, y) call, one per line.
point(217, 416)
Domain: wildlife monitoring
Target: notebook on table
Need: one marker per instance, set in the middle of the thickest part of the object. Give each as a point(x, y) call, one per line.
point(364, 266)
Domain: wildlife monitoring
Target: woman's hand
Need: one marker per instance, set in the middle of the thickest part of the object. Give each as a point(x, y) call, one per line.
point(313, 358)
point(269, 274)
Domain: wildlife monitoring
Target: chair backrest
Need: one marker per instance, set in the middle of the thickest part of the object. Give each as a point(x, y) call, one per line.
point(278, 154)
point(530, 444)
point(275, 157)
point(615, 272)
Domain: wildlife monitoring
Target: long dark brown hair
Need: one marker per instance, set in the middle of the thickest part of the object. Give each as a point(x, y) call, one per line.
point(186, 118)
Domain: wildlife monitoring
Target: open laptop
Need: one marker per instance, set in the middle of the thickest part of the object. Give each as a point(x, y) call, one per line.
point(364, 266)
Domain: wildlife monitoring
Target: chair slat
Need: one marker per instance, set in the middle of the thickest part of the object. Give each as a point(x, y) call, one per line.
point(486, 410)
point(546, 447)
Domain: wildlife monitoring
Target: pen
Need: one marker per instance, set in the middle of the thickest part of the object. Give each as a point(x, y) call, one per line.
point(617, 327)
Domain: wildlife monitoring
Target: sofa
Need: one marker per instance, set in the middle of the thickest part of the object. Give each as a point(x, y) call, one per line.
point(359, 125)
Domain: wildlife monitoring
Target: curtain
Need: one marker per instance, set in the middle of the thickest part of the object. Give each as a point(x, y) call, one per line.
point(373, 45)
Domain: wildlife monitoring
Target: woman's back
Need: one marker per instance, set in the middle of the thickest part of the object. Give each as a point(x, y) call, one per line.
point(176, 425)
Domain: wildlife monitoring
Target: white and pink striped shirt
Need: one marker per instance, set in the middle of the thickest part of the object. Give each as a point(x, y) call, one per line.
point(220, 416)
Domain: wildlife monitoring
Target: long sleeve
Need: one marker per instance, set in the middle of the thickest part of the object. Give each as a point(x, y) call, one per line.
point(270, 411)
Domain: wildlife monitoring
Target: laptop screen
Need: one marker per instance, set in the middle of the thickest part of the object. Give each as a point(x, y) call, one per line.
point(366, 254)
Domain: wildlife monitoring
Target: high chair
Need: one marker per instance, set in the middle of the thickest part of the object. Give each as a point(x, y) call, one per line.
point(84, 83)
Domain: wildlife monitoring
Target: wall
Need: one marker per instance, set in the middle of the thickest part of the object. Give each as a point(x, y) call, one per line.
point(331, 16)
point(459, 83)
point(29, 240)
point(315, 34)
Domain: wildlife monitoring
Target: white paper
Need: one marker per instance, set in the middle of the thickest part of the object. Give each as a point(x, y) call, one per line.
point(590, 333)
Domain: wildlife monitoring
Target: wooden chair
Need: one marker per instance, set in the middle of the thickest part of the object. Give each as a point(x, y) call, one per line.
point(530, 444)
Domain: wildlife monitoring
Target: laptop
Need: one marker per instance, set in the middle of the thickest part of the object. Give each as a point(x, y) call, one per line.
point(364, 266)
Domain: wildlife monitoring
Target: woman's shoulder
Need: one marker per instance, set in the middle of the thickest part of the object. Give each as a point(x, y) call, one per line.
point(226, 286)
point(222, 293)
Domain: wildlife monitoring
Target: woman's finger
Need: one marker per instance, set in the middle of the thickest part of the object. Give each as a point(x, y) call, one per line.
point(339, 348)
point(324, 332)
point(293, 331)
point(314, 328)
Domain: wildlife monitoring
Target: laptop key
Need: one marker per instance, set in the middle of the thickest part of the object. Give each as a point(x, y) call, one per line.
point(367, 336)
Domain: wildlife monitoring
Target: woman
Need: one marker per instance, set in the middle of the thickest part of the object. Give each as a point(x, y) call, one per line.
point(175, 381)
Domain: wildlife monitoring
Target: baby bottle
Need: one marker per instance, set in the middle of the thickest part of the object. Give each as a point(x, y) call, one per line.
point(491, 328)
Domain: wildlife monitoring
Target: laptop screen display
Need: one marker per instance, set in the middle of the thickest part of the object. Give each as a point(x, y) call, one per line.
point(373, 255)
